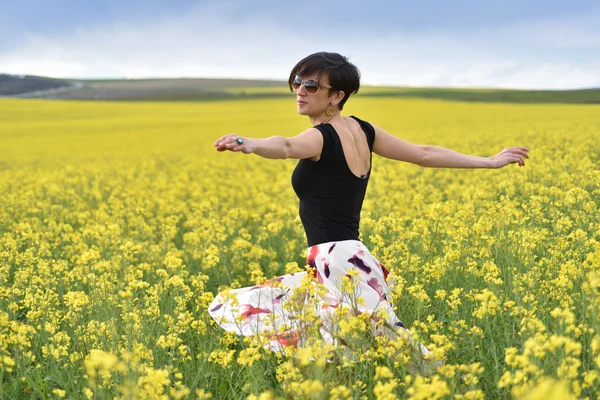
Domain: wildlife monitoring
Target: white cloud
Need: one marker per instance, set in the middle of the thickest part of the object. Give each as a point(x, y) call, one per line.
point(209, 42)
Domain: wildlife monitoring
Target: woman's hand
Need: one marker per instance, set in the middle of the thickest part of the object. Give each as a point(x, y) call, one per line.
point(229, 142)
point(510, 155)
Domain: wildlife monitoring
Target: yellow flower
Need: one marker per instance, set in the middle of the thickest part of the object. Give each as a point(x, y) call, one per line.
point(549, 389)
point(383, 373)
point(268, 395)
point(248, 356)
point(222, 357)
point(340, 392)
point(490, 305)
point(201, 394)
point(426, 388)
point(88, 393)
point(385, 391)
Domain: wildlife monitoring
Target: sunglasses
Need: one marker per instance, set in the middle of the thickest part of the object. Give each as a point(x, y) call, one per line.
point(311, 85)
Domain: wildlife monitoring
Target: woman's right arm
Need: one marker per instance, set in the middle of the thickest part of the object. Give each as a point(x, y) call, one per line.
point(308, 144)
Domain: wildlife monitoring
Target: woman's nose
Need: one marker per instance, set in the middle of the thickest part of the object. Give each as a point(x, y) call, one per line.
point(301, 88)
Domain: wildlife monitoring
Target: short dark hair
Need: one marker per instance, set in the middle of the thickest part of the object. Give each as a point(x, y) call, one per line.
point(343, 75)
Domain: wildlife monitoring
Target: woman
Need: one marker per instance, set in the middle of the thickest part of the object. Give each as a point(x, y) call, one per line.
point(330, 180)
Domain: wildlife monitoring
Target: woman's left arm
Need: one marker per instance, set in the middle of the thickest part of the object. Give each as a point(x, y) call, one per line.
point(390, 146)
point(436, 156)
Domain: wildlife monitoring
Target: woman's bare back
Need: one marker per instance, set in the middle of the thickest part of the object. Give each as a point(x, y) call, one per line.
point(355, 146)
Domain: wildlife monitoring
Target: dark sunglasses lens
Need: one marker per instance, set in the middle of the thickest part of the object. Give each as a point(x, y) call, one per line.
point(311, 87)
point(296, 82)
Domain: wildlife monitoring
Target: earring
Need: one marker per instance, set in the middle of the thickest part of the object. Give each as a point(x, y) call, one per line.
point(328, 112)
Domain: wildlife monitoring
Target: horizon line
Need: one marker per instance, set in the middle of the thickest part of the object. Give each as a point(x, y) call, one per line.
point(272, 80)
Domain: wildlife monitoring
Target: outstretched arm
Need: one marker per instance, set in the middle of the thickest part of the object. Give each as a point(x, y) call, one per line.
point(308, 144)
point(389, 146)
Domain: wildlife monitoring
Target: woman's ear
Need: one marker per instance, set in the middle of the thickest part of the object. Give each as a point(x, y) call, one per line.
point(339, 96)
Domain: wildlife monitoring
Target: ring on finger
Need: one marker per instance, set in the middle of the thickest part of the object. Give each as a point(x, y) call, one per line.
point(239, 140)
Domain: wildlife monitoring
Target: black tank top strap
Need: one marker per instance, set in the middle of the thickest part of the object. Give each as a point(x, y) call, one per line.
point(328, 141)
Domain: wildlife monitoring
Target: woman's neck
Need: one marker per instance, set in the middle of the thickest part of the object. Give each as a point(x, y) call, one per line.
point(323, 118)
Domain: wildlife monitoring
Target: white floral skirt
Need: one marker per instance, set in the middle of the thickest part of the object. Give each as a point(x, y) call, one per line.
point(281, 308)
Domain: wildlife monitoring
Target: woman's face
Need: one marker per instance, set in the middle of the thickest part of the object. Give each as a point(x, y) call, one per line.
point(314, 104)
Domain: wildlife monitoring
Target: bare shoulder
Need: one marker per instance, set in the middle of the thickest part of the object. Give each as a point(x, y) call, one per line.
point(382, 137)
point(391, 146)
point(379, 129)
point(311, 133)
point(307, 144)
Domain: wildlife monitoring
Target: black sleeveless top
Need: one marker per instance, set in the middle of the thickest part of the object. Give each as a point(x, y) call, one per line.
point(331, 196)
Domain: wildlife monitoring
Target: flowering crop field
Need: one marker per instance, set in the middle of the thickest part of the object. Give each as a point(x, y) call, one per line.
point(119, 223)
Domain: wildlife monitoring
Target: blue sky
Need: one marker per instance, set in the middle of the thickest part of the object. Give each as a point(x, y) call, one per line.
point(512, 44)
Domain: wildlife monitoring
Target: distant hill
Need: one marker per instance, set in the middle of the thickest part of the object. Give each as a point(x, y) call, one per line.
point(125, 89)
point(192, 89)
point(16, 85)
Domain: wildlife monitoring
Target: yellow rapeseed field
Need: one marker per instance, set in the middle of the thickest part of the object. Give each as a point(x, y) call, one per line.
point(119, 223)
